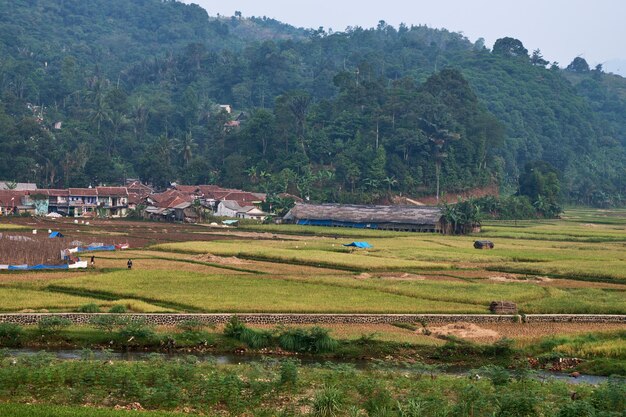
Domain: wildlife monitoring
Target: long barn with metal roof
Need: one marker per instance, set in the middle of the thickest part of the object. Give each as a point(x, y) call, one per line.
point(400, 218)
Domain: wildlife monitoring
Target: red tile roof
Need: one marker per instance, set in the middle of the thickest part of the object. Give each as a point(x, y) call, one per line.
point(187, 188)
point(138, 187)
point(112, 191)
point(166, 198)
point(81, 192)
point(7, 195)
point(56, 192)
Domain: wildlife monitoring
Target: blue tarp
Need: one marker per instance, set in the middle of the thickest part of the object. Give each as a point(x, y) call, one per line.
point(55, 234)
point(96, 248)
point(35, 267)
point(362, 245)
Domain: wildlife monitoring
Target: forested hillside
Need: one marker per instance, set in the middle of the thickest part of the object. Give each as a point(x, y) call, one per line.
point(345, 116)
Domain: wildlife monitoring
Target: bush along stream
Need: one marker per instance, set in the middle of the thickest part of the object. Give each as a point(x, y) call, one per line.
point(111, 332)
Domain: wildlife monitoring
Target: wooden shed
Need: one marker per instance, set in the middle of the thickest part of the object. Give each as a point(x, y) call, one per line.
point(399, 218)
point(503, 307)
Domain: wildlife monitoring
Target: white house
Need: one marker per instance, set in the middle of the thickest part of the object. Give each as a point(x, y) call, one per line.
point(251, 212)
point(227, 208)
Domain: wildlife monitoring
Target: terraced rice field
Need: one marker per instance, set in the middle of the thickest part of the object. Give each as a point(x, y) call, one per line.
point(574, 265)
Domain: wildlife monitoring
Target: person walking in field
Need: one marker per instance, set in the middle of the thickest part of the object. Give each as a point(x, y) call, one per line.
point(93, 261)
point(129, 264)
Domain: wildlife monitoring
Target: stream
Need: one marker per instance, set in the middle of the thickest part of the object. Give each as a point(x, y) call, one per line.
point(234, 359)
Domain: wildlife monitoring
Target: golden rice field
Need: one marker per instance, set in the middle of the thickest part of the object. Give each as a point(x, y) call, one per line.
point(574, 265)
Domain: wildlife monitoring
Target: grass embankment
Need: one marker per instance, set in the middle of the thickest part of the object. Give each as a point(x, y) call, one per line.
point(464, 344)
point(604, 353)
point(286, 388)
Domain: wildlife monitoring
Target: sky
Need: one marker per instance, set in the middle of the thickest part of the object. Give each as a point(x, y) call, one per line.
point(561, 29)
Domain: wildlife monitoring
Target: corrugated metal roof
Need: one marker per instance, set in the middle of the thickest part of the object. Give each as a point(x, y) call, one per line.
point(366, 214)
point(19, 186)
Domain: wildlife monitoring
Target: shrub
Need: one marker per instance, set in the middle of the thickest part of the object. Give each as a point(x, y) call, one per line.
point(191, 325)
point(327, 402)
point(117, 309)
point(234, 328)
point(502, 347)
point(315, 340)
point(610, 396)
point(289, 372)
point(89, 308)
point(107, 323)
point(256, 339)
point(10, 334)
point(378, 402)
point(136, 333)
point(496, 374)
point(53, 324)
point(516, 405)
point(577, 409)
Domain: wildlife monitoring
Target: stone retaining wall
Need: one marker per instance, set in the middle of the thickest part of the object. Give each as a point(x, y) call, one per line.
point(575, 318)
point(172, 319)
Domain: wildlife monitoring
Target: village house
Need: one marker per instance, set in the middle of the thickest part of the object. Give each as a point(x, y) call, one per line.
point(10, 202)
point(227, 208)
point(58, 201)
point(83, 201)
point(112, 201)
point(251, 212)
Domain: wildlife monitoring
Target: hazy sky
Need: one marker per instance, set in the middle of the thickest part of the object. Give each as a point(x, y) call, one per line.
point(562, 29)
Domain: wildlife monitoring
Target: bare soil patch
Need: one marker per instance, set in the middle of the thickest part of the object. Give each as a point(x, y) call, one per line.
point(509, 278)
point(222, 260)
point(469, 331)
point(405, 276)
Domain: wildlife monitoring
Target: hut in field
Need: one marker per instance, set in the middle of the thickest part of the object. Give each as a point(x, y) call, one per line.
point(398, 218)
point(503, 307)
point(483, 244)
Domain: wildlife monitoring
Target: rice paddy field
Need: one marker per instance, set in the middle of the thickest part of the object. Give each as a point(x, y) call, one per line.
point(572, 265)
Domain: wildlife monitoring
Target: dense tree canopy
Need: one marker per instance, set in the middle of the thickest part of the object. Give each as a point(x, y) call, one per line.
point(96, 91)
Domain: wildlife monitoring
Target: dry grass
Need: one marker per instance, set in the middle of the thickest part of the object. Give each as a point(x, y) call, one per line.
point(529, 333)
point(382, 332)
point(23, 248)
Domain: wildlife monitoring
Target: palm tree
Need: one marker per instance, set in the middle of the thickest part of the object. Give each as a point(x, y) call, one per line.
point(187, 146)
point(371, 183)
point(390, 181)
point(164, 147)
point(253, 174)
point(100, 112)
